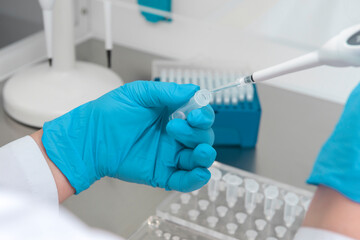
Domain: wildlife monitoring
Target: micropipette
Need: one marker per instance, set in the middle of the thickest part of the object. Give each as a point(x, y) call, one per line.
point(47, 10)
point(108, 31)
point(342, 50)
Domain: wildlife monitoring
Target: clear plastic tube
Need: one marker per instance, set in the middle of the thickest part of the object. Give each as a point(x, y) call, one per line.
point(251, 189)
point(291, 201)
point(213, 185)
point(199, 100)
point(232, 184)
point(271, 193)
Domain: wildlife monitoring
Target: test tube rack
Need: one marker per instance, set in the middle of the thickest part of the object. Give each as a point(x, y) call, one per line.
point(237, 110)
point(272, 217)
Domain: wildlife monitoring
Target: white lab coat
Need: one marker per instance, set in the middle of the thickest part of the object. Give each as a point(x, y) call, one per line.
point(29, 201)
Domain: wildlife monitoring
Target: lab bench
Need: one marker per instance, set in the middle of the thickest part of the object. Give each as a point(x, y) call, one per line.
point(292, 130)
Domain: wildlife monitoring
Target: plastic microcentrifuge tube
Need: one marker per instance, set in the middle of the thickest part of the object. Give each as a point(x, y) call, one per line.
point(280, 231)
point(291, 201)
point(232, 184)
point(222, 210)
point(213, 185)
point(260, 224)
point(251, 234)
point(163, 76)
point(271, 193)
point(203, 204)
point(241, 217)
point(249, 93)
point(185, 198)
point(251, 189)
point(178, 76)
point(175, 207)
point(193, 214)
point(158, 233)
point(199, 100)
point(175, 238)
point(212, 221)
point(196, 192)
point(167, 236)
point(231, 228)
point(194, 77)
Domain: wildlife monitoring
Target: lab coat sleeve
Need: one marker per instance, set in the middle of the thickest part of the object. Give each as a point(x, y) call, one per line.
point(23, 168)
point(306, 233)
point(23, 217)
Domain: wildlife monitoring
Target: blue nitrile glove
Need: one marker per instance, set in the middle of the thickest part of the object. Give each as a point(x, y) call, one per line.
point(338, 163)
point(126, 134)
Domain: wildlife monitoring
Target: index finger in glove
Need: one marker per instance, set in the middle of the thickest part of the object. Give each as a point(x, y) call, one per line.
point(181, 131)
point(202, 118)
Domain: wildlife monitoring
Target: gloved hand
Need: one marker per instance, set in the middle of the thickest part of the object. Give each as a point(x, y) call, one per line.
point(338, 163)
point(126, 134)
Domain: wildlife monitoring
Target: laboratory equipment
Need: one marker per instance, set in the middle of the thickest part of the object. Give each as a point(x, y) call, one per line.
point(199, 100)
point(251, 234)
point(213, 185)
point(217, 220)
point(47, 11)
point(232, 188)
point(291, 201)
point(241, 217)
point(212, 221)
point(280, 231)
point(108, 31)
point(237, 111)
point(203, 204)
point(39, 93)
point(231, 228)
point(222, 210)
point(343, 50)
point(260, 224)
point(185, 198)
point(271, 193)
point(251, 189)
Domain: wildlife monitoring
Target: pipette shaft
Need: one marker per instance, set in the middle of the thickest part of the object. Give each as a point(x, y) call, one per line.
point(108, 31)
point(307, 61)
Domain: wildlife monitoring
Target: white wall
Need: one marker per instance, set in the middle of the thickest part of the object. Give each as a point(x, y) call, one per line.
point(237, 33)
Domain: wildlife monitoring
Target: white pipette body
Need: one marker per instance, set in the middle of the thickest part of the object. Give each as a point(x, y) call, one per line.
point(342, 50)
point(47, 10)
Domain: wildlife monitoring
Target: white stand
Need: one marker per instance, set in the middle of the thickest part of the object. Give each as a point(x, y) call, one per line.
point(43, 93)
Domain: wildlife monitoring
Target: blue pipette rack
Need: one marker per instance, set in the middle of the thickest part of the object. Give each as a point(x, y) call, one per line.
point(237, 111)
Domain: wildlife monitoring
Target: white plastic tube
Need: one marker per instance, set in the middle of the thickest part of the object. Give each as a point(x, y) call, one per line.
point(291, 201)
point(251, 189)
point(199, 100)
point(271, 193)
point(213, 185)
point(232, 190)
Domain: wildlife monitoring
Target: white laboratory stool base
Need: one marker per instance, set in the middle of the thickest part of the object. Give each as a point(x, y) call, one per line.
point(41, 93)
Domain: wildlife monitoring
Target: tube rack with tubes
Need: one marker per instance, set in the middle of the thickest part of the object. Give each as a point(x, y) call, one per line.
point(248, 207)
point(237, 110)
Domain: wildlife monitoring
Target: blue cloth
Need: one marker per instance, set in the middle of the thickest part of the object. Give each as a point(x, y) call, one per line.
point(164, 5)
point(125, 134)
point(338, 163)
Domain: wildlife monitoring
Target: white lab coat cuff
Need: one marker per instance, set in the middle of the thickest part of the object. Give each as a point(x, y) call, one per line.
point(24, 168)
point(306, 233)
